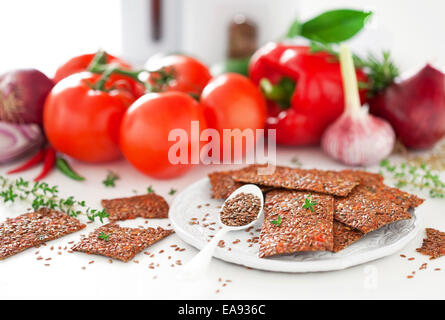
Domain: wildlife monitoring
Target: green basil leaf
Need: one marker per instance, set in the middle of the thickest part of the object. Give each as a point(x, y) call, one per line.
point(335, 26)
point(294, 30)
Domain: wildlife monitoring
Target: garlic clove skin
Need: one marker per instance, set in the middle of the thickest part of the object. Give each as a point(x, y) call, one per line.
point(359, 139)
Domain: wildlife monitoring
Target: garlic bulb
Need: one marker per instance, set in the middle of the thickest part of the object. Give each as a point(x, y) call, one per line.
point(356, 137)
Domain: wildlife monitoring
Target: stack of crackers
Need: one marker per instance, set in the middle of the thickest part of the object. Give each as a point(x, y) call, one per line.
point(347, 205)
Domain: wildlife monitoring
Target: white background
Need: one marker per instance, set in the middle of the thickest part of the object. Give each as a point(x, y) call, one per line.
point(44, 33)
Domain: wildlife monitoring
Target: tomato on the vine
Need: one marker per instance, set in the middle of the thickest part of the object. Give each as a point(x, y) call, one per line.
point(232, 101)
point(145, 129)
point(178, 73)
point(80, 63)
point(83, 121)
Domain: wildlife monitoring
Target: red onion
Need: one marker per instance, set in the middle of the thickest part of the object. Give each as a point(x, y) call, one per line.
point(415, 107)
point(356, 138)
point(17, 140)
point(22, 95)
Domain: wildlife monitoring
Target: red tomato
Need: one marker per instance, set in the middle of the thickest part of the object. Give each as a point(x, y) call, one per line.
point(146, 127)
point(232, 101)
point(81, 63)
point(190, 75)
point(83, 122)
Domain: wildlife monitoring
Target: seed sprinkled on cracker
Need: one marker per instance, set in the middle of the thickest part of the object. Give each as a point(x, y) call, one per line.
point(32, 229)
point(149, 205)
point(122, 243)
point(327, 182)
point(300, 229)
point(344, 236)
point(372, 205)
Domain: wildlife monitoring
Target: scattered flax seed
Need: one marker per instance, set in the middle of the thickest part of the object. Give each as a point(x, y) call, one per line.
point(52, 248)
point(83, 268)
point(47, 259)
point(411, 259)
point(39, 258)
point(241, 210)
point(37, 252)
point(47, 264)
point(236, 241)
point(91, 262)
point(199, 206)
point(59, 253)
point(437, 269)
point(423, 266)
point(403, 256)
point(410, 277)
point(161, 251)
point(136, 261)
point(221, 244)
point(110, 261)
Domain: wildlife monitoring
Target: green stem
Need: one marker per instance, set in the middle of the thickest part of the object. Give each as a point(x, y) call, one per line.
point(350, 86)
point(281, 92)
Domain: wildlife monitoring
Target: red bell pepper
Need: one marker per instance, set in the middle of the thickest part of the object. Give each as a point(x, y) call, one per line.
point(304, 90)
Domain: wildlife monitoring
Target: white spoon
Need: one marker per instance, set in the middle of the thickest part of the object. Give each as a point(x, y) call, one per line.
point(198, 265)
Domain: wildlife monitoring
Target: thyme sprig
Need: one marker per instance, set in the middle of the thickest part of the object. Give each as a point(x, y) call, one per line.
point(40, 194)
point(309, 203)
point(418, 177)
point(104, 236)
point(110, 180)
point(277, 221)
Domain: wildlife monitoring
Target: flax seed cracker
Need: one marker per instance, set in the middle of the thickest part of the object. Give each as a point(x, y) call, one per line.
point(32, 229)
point(149, 205)
point(222, 184)
point(118, 242)
point(300, 229)
point(327, 182)
point(344, 236)
point(434, 244)
point(372, 205)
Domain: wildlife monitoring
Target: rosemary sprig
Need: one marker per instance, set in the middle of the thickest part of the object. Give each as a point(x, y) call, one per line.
point(414, 176)
point(110, 180)
point(309, 203)
point(150, 189)
point(172, 191)
point(40, 194)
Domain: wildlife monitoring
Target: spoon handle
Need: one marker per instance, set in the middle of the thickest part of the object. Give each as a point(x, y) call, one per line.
point(198, 265)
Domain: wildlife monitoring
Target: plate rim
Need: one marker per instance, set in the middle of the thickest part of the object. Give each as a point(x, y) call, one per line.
point(289, 266)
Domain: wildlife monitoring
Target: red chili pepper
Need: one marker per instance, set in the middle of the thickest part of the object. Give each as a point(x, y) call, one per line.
point(34, 160)
point(304, 90)
point(48, 163)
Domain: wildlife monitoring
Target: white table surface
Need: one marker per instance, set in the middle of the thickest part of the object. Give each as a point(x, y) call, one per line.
point(22, 276)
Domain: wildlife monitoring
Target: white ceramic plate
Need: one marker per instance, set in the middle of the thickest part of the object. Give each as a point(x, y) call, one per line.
point(375, 245)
